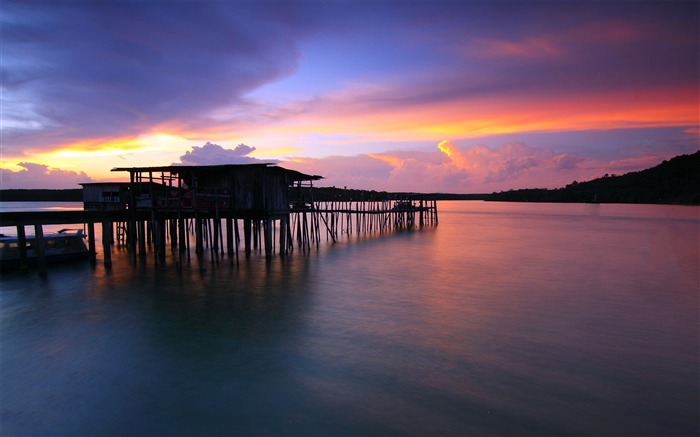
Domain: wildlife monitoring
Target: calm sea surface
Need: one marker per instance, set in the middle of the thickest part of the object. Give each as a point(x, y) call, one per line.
point(505, 319)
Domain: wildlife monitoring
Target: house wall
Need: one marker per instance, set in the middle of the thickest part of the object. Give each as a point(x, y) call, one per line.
point(252, 188)
point(103, 197)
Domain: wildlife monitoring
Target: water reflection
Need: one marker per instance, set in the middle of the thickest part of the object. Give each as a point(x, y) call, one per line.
point(503, 320)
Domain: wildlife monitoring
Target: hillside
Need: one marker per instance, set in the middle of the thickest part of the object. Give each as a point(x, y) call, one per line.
point(676, 181)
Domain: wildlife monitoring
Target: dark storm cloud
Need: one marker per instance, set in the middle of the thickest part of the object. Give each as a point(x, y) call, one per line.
point(106, 68)
point(534, 51)
point(101, 69)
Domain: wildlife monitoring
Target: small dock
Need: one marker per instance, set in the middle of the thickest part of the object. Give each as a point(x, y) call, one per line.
point(221, 208)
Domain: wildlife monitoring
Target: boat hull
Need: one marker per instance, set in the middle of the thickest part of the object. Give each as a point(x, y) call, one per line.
point(58, 248)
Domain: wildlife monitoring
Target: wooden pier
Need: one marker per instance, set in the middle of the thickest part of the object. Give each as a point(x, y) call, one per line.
point(220, 207)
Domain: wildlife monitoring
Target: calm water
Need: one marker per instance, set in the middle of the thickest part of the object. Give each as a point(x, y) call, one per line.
point(506, 319)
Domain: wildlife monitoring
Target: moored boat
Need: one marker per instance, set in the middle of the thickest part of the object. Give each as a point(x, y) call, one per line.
point(64, 245)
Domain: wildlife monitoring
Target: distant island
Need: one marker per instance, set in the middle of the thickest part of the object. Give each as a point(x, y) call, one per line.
point(41, 195)
point(676, 181)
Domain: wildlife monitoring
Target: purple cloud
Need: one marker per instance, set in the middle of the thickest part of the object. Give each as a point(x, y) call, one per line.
point(567, 162)
point(214, 154)
point(41, 176)
point(309, 72)
point(111, 67)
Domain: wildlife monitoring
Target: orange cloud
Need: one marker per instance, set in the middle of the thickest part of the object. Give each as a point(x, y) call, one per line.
point(394, 161)
point(475, 116)
point(97, 156)
point(454, 153)
point(446, 147)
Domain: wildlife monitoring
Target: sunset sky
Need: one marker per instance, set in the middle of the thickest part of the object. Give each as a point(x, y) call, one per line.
point(427, 96)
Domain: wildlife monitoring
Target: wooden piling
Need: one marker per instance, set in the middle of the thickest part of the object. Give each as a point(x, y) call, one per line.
point(22, 242)
point(142, 238)
point(39, 248)
point(246, 236)
point(267, 225)
point(91, 242)
point(283, 236)
point(229, 236)
point(106, 243)
point(199, 238)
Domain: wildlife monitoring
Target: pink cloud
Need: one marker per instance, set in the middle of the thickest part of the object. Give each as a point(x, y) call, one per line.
point(214, 154)
point(567, 162)
point(535, 47)
point(41, 177)
point(508, 162)
point(359, 172)
point(475, 168)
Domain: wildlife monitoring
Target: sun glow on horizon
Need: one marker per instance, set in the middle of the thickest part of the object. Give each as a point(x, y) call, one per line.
point(98, 156)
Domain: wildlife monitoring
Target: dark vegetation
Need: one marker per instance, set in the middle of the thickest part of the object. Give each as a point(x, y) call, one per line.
point(676, 181)
point(71, 195)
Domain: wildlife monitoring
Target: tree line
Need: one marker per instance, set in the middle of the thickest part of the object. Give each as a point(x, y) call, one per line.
point(676, 181)
point(41, 195)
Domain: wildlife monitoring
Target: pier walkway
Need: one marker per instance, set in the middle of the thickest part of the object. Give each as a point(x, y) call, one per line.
point(162, 206)
point(304, 226)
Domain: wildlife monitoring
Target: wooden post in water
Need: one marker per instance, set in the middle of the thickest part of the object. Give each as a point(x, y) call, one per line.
point(182, 235)
point(106, 243)
point(22, 242)
point(131, 224)
point(420, 212)
point(39, 248)
point(268, 238)
point(246, 236)
point(172, 223)
point(199, 239)
point(283, 235)
point(142, 238)
point(91, 242)
point(229, 236)
point(237, 236)
point(216, 231)
point(160, 239)
point(255, 228)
